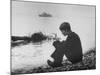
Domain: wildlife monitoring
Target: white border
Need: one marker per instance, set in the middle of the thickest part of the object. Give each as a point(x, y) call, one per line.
point(5, 36)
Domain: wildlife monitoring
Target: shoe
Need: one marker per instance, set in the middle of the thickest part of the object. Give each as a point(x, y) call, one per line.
point(53, 64)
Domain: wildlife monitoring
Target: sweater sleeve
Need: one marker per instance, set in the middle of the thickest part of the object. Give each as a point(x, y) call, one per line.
point(56, 43)
point(67, 44)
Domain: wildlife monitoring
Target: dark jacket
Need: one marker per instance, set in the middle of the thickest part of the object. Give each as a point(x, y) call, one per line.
point(71, 47)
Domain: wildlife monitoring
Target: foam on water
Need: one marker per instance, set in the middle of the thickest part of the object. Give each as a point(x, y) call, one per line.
point(31, 56)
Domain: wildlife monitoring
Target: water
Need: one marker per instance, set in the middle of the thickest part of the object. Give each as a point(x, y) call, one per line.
point(31, 56)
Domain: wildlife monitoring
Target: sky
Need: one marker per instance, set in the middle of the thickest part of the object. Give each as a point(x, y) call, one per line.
point(26, 20)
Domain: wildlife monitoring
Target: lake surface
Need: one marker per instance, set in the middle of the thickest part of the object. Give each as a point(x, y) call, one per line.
point(31, 56)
